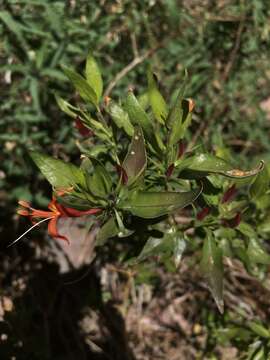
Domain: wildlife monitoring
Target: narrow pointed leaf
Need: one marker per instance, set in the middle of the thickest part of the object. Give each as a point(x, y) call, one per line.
point(81, 85)
point(93, 76)
point(212, 268)
point(179, 127)
point(154, 204)
point(176, 112)
point(136, 160)
point(256, 253)
point(259, 329)
point(120, 118)
point(137, 115)
point(203, 164)
point(260, 184)
point(66, 107)
point(157, 101)
point(99, 183)
point(108, 230)
point(59, 173)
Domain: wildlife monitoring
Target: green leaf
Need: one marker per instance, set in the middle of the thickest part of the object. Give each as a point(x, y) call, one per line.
point(176, 112)
point(93, 76)
point(202, 164)
point(82, 86)
point(15, 27)
point(259, 329)
point(154, 204)
point(108, 230)
point(99, 183)
point(179, 127)
point(212, 268)
point(260, 184)
point(57, 172)
point(143, 100)
point(120, 118)
point(256, 253)
point(66, 107)
point(136, 160)
point(137, 115)
point(79, 202)
point(157, 101)
point(170, 245)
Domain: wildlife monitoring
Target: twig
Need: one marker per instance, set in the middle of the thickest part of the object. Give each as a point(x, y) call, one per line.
point(136, 61)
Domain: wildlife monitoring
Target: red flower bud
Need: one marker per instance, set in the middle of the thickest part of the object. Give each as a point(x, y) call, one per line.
point(203, 213)
point(229, 194)
point(83, 130)
point(169, 171)
point(181, 149)
point(234, 222)
point(122, 174)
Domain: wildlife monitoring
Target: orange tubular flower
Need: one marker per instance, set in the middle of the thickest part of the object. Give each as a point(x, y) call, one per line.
point(56, 211)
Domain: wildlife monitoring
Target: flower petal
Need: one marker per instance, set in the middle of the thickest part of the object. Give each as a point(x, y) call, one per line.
point(52, 230)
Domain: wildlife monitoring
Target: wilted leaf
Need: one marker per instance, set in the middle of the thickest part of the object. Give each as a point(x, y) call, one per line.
point(212, 268)
point(57, 172)
point(136, 160)
point(154, 204)
point(81, 85)
point(93, 76)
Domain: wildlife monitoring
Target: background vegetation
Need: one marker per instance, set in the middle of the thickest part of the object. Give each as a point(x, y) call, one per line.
point(225, 47)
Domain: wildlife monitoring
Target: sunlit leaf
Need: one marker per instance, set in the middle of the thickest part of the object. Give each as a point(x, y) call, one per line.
point(157, 101)
point(212, 268)
point(59, 173)
point(81, 85)
point(138, 116)
point(66, 107)
point(93, 76)
point(120, 118)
